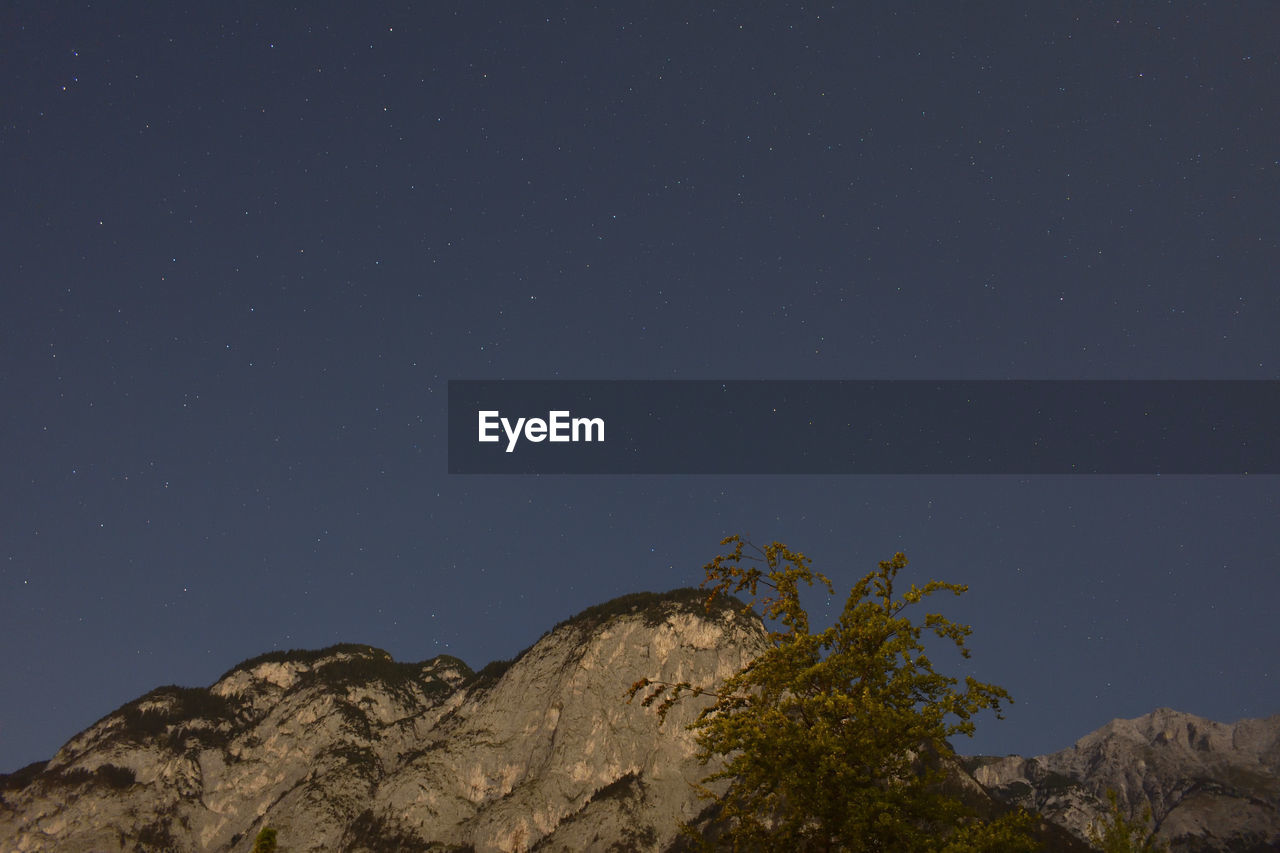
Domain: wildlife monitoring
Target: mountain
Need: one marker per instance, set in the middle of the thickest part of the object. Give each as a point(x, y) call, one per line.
point(1208, 786)
point(346, 749)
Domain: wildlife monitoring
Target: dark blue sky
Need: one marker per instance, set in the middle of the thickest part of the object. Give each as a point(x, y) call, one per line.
point(244, 249)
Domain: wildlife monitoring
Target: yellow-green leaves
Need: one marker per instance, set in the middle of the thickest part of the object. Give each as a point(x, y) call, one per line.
point(837, 739)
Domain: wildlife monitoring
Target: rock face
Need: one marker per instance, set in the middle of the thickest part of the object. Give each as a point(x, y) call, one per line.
point(1208, 786)
point(345, 749)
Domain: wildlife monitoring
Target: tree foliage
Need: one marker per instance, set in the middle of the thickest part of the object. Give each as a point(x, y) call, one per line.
point(1118, 834)
point(837, 739)
point(265, 842)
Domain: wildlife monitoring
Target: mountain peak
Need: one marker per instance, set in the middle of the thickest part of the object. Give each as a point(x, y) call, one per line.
point(1207, 785)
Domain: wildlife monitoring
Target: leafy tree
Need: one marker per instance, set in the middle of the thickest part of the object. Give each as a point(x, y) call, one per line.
point(265, 842)
point(1117, 834)
point(837, 739)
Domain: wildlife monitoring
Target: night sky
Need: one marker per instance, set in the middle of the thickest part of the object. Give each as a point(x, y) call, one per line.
point(243, 249)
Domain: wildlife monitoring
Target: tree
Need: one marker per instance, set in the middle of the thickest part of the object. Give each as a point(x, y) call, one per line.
point(265, 842)
point(837, 739)
point(1121, 835)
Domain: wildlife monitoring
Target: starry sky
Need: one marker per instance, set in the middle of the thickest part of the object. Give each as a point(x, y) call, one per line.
point(245, 247)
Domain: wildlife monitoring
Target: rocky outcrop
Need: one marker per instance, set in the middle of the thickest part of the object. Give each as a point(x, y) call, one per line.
point(345, 749)
point(1209, 786)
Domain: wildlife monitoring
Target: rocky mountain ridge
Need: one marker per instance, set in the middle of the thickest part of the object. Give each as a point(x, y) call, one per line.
point(346, 749)
point(1207, 785)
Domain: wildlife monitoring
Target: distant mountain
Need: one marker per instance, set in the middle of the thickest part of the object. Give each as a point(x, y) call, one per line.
point(1208, 786)
point(345, 749)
